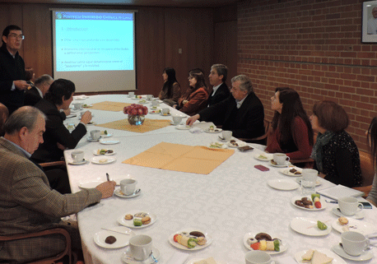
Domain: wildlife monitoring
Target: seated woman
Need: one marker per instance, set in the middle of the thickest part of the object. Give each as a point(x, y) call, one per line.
point(57, 137)
point(196, 97)
point(171, 91)
point(335, 153)
point(291, 130)
point(372, 138)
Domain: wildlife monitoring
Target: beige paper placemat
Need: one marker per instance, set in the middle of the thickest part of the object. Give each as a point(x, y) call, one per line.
point(176, 157)
point(109, 106)
point(149, 125)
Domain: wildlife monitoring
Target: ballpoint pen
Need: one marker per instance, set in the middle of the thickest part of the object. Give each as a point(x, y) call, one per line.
point(107, 176)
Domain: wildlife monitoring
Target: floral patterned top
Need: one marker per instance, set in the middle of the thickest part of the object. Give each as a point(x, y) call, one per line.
point(341, 161)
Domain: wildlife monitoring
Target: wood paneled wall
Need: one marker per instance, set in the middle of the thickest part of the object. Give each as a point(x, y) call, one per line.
point(160, 32)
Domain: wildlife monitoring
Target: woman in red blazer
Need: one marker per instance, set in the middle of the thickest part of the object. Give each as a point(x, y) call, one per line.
point(196, 97)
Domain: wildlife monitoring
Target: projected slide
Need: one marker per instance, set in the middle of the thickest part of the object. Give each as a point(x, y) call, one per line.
point(92, 41)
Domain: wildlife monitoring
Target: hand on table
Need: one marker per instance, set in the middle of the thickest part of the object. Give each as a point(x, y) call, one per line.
point(106, 188)
point(21, 84)
point(60, 146)
point(86, 117)
point(174, 106)
point(184, 102)
point(321, 175)
point(190, 121)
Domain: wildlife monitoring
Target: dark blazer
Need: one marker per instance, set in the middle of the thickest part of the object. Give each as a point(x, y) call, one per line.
point(32, 96)
point(221, 94)
point(56, 132)
point(11, 69)
point(248, 121)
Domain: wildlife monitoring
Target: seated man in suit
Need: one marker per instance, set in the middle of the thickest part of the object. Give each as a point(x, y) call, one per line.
point(242, 113)
point(217, 78)
point(27, 203)
point(57, 136)
point(40, 88)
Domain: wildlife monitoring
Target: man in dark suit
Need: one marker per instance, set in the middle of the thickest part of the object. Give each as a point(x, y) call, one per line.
point(12, 69)
point(57, 137)
point(27, 203)
point(217, 78)
point(40, 88)
point(242, 113)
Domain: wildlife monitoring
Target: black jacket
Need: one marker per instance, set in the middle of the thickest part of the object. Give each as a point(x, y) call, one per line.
point(248, 121)
point(221, 94)
point(11, 69)
point(32, 97)
point(56, 132)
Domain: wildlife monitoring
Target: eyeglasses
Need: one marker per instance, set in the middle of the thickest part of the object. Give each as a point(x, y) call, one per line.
point(12, 35)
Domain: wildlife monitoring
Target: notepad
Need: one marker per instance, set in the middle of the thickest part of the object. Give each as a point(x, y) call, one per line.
point(340, 191)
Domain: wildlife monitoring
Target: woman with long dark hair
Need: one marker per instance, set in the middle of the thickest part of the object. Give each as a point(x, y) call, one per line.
point(196, 97)
point(171, 90)
point(335, 153)
point(291, 130)
point(372, 139)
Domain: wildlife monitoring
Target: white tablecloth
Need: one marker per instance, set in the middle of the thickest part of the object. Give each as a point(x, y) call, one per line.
point(227, 203)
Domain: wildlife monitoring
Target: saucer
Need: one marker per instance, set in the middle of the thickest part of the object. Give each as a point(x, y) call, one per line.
point(182, 127)
point(359, 215)
point(90, 139)
point(102, 160)
point(119, 193)
point(366, 255)
point(168, 114)
point(78, 162)
point(128, 259)
point(279, 166)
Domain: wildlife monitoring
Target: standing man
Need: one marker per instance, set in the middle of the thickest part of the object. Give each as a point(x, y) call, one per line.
point(40, 88)
point(12, 69)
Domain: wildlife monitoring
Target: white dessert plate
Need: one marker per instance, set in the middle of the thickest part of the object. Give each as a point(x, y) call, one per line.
point(130, 223)
point(195, 259)
point(366, 255)
point(287, 172)
point(84, 161)
point(355, 225)
point(327, 252)
point(107, 135)
point(239, 143)
point(106, 141)
point(214, 131)
point(217, 145)
point(283, 185)
point(188, 230)
point(168, 114)
point(154, 112)
point(143, 102)
point(283, 246)
point(122, 240)
point(182, 127)
point(264, 157)
point(129, 259)
point(358, 215)
point(96, 151)
point(119, 193)
point(87, 106)
point(80, 97)
point(102, 160)
point(308, 226)
point(323, 203)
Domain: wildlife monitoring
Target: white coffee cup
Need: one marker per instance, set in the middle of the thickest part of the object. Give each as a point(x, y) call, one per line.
point(177, 119)
point(141, 247)
point(349, 205)
point(154, 102)
point(257, 257)
point(165, 111)
point(77, 155)
point(127, 186)
point(77, 106)
point(149, 97)
point(131, 94)
point(95, 134)
point(281, 159)
point(354, 243)
point(227, 135)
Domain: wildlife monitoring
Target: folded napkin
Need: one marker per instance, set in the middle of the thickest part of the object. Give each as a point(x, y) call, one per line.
point(196, 130)
point(178, 258)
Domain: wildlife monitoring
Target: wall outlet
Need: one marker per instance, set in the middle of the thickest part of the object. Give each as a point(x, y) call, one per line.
point(180, 51)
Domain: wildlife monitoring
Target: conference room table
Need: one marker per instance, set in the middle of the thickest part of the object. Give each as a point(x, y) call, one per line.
point(229, 202)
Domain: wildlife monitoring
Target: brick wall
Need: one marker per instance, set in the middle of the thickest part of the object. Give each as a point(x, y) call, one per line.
point(314, 47)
